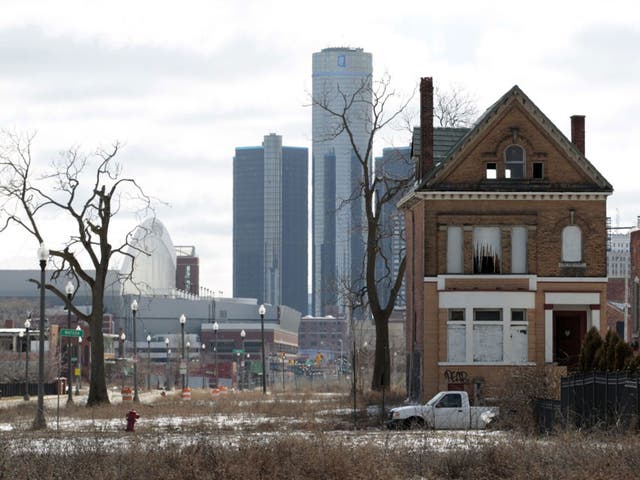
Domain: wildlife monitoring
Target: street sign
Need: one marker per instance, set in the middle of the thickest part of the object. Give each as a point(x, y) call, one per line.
point(237, 350)
point(70, 332)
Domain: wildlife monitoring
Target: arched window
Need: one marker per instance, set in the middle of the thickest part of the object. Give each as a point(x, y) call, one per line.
point(514, 162)
point(571, 244)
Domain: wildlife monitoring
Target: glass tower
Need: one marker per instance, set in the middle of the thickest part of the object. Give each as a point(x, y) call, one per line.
point(338, 219)
point(270, 223)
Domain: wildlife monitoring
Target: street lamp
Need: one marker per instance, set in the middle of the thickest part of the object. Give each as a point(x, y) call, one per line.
point(202, 368)
point(340, 362)
point(183, 320)
point(215, 350)
point(27, 326)
point(134, 310)
point(79, 381)
point(166, 344)
point(148, 362)
point(39, 421)
point(283, 355)
point(187, 369)
point(123, 337)
point(241, 363)
point(262, 311)
point(69, 289)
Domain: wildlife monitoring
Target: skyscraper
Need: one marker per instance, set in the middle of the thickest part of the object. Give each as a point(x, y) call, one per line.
point(338, 234)
point(394, 164)
point(270, 223)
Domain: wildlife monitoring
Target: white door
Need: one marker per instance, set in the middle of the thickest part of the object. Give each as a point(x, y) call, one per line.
point(449, 413)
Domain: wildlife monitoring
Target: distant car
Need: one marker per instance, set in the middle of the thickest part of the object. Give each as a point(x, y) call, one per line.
point(447, 411)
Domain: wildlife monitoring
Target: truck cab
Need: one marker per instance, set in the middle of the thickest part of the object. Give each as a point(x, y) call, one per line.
point(448, 410)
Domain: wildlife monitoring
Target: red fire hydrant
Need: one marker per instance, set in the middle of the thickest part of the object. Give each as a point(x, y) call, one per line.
point(132, 416)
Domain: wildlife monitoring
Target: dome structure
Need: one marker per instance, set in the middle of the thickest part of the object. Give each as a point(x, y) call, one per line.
point(154, 260)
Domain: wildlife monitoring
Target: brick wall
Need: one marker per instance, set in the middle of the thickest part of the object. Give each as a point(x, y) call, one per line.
point(546, 219)
point(538, 148)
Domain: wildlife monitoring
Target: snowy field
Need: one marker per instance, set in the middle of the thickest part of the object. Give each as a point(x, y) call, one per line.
point(223, 429)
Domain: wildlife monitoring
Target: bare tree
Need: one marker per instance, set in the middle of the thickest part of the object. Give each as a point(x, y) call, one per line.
point(376, 189)
point(380, 188)
point(454, 107)
point(87, 191)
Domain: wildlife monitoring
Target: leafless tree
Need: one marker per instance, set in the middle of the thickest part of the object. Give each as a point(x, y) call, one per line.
point(383, 107)
point(380, 188)
point(87, 191)
point(454, 107)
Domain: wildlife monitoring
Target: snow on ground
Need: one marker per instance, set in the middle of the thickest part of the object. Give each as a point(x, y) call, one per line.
point(224, 430)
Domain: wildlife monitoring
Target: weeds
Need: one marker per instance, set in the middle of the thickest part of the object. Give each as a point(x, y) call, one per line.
point(286, 436)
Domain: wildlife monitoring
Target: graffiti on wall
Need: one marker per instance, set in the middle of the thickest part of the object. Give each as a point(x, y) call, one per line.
point(456, 376)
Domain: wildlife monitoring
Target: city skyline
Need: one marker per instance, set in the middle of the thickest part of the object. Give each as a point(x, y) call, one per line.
point(182, 87)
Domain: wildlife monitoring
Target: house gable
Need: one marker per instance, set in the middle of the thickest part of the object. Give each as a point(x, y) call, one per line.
point(545, 160)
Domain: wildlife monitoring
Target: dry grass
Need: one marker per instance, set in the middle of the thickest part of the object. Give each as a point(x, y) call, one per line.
point(302, 449)
point(569, 457)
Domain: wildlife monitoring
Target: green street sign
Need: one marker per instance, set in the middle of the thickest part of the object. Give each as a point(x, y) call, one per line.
point(237, 350)
point(70, 332)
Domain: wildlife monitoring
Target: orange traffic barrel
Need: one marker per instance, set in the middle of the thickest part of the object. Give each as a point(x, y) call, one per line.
point(186, 393)
point(127, 394)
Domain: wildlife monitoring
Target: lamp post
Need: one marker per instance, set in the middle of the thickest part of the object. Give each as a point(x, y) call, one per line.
point(148, 362)
point(283, 355)
point(123, 337)
point(79, 381)
point(340, 362)
point(215, 350)
point(202, 367)
point(69, 289)
point(40, 421)
point(27, 326)
point(134, 310)
point(262, 311)
point(166, 344)
point(241, 369)
point(187, 368)
point(183, 320)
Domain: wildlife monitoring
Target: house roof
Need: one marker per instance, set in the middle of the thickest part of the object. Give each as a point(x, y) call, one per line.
point(444, 139)
point(484, 123)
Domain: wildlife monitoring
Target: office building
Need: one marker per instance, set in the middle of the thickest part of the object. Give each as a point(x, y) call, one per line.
point(270, 223)
point(337, 219)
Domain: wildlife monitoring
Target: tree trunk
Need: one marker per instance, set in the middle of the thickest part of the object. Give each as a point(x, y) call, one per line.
point(97, 386)
point(382, 364)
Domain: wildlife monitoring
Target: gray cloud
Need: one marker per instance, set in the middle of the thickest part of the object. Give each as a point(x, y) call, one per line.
point(602, 55)
point(80, 68)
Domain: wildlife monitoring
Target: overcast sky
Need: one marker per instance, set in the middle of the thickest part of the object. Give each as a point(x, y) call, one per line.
point(181, 84)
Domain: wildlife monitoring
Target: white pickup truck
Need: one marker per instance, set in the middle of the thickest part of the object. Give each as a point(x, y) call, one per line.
point(447, 411)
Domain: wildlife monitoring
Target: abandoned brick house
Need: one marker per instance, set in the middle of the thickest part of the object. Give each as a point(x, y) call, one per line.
point(506, 249)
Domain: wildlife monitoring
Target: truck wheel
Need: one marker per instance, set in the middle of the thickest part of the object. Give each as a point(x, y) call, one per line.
point(413, 423)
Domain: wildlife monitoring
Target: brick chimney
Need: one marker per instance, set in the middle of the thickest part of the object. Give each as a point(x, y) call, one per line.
point(426, 125)
point(577, 132)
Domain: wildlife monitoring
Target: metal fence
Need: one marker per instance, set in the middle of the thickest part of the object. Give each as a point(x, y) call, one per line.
point(18, 389)
point(597, 399)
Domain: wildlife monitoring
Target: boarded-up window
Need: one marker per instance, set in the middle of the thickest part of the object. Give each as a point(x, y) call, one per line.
point(486, 250)
point(519, 250)
point(456, 343)
point(571, 244)
point(487, 336)
point(456, 336)
point(518, 337)
point(454, 249)
point(487, 343)
point(519, 351)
